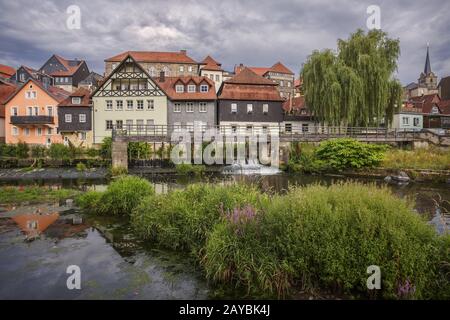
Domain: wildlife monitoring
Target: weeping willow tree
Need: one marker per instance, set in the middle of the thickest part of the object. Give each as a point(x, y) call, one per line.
point(355, 86)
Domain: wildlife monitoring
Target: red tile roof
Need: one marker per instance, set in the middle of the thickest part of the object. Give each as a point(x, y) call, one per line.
point(82, 93)
point(444, 106)
point(7, 70)
point(298, 82)
point(153, 56)
point(280, 68)
point(425, 102)
point(169, 83)
point(70, 69)
point(247, 85)
point(211, 64)
point(6, 90)
point(294, 105)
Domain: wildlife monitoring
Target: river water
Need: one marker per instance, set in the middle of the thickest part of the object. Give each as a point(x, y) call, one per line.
point(114, 264)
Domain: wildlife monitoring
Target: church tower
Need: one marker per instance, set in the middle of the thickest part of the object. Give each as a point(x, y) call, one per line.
point(427, 78)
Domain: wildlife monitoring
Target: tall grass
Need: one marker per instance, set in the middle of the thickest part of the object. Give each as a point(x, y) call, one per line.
point(120, 198)
point(431, 158)
point(325, 238)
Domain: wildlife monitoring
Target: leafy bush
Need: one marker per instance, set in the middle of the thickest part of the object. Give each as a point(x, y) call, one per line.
point(120, 198)
point(8, 150)
point(139, 150)
point(89, 201)
point(182, 219)
point(81, 167)
point(59, 151)
point(38, 151)
point(22, 150)
point(303, 159)
point(342, 154)
point(92, 152)
point(188, 169)
point(105, 148)
point(421, 158)
point(118, 171)
point(325, 238)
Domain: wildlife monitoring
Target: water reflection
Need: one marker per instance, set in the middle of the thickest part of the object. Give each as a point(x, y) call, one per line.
point(33, 224)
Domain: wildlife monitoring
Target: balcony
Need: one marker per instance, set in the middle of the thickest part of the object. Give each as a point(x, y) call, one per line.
point(27, 120)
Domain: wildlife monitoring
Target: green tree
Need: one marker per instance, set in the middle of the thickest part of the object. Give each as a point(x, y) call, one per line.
point(354, 86)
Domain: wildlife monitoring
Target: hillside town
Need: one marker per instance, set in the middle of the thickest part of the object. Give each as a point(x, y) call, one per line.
point(64, 101)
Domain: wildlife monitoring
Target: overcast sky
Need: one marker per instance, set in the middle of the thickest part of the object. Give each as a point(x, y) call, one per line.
point(256, 33)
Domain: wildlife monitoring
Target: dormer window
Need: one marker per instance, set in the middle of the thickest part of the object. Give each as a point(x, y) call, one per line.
point(204, 88)
point(434, 110)
point(179, 88)
point(191, 88)
point(76, 100)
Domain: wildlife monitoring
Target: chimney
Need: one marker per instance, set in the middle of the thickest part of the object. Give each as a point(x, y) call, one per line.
point(162, 76)
point(183, 51)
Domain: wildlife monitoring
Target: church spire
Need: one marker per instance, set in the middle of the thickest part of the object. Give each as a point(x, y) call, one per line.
point(427, 69)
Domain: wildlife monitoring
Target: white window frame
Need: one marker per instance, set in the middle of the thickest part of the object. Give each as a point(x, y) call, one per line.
point(405, 121)
point(202, 107)
point(109, 105)
point(119, 105)
point(26, 131)
point(190, 69)
point(265, 108)
point(140, 105)
point(50, 111)
point(76, 100)
point(83, 136)
point(179, 88)
point(191, 88)
point(181, 68)
point(82, 118)
point(177, 107)
point(38, 131)
point(109, 122)
point(15, 131)
point(189, 107)
point(249, 108)
point(130, 106)
point(151, 104)
point(68, 118)
point(234, 108)
point(14, 111)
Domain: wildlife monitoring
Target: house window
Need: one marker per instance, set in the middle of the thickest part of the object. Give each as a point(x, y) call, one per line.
point(152, 71)
point(405, 120)
point(83, 136)
point(233, 107)
point(140, 105)
point(181, 68)
point(217, 78)
point(76, 100)
point(179, 88)
point(190, 68)
point(233, 128)
point(22, 77)
point(109, 125)
point(204, 88)
point(289, 84)
point(15, 131)
point(50, 111)
point(191, 88)
point(249, 128)
point(140, 124)
point(202, 107)
point(177, 125)
point(68, 118)
point(150, 122)
point(435, 110)
point(166, 71)
point(416, 121)
point(119, 124)
point(151, 105)
point(177, 107)
point(189, 107)
point(30, 94)
point(27, 131)
point(281, 83)
point(190, 126)
point(14, 111)
point(130, 105)
point(49, 131)
point(109, 105)
point(36, 111)
point(119, 105)
point(39, 131)
point(288, 127)
point(265, 108)
point(303, 111)
point(129, 124)
point(305, 127)
point(30, 111)
point(249, 108)
point(82, 118)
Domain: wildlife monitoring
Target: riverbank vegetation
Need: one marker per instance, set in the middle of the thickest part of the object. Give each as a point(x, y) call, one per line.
point(433, 158)
point(34, 194)
point(313, 238)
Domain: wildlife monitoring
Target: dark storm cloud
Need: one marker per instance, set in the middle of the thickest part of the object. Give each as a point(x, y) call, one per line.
point(257, 33)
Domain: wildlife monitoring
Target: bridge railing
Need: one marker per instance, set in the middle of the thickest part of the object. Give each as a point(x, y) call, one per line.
point(294, 132)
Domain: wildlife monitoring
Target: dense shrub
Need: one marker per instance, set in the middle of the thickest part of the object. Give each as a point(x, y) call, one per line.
point(421, 158)
point(22, 150)
point(81, 167)
point(105, 148)
point(182, 218)
point(89, 201)
point(59, 151)
point(8, 150)
point(120, 198)
point(325, 238)
point(341, 154)
point(38, 151)
point(190, 169)
point(139, 150)
point(92, 152)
